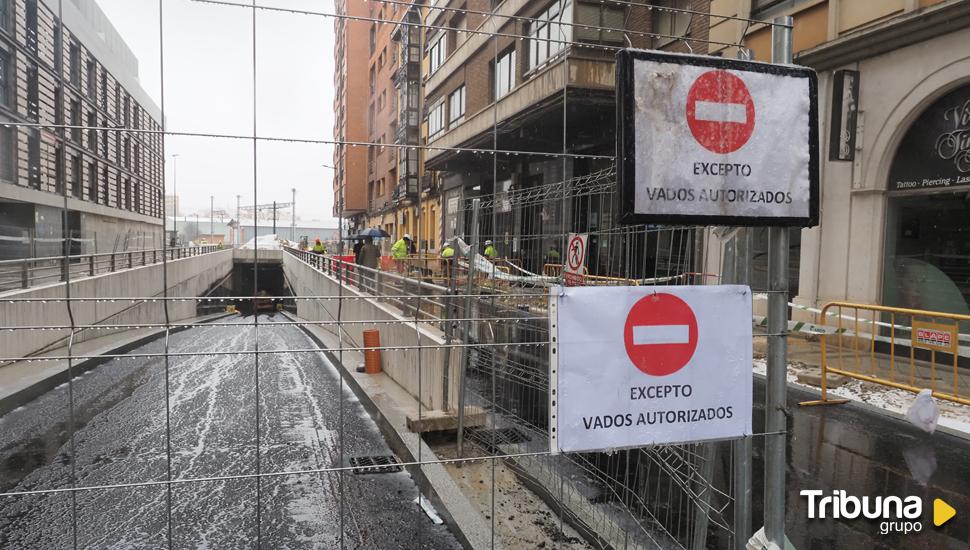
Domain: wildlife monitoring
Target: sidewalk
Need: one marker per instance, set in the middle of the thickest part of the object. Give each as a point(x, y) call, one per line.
point(25, 380)
point(804, 371)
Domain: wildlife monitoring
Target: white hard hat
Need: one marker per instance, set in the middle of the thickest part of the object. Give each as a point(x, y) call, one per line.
point(488, 241)
point(407, 236)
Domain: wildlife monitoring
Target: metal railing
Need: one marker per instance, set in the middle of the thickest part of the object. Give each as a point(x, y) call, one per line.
point(891, 346)
point(30, 272)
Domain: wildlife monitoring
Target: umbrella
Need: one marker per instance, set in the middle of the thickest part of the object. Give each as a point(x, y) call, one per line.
point(374, 232)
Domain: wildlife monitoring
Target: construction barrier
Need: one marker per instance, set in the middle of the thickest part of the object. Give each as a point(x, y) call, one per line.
point(907, 349)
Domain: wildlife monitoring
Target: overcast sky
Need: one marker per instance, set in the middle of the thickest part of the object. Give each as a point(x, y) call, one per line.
point(208, 88)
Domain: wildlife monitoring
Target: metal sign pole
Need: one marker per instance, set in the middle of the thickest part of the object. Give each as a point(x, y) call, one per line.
point(776, 385)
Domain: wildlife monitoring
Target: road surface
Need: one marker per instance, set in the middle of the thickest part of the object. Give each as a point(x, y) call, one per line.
point(121, 437)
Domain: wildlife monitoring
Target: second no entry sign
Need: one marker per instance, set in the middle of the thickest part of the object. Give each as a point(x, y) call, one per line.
point(716, 141)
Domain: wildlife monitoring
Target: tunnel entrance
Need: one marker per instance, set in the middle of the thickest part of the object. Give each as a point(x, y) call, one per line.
point(264, 281)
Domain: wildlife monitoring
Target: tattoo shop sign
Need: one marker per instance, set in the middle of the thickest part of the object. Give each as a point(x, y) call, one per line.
point(716, 141)
point(635, 366)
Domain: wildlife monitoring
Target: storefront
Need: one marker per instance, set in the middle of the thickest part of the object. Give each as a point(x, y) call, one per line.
point(927, 247)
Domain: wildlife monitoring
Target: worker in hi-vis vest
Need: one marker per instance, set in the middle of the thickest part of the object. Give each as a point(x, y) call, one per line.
point(490, 252)
point(400, 250)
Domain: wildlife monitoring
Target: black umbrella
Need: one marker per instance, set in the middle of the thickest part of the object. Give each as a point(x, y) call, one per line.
point(374, 232)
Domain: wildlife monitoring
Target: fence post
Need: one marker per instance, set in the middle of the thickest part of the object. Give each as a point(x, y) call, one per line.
point(466, 333)
point(25, 275)
point(112, 262)
point(776, 385)
point(91, 264)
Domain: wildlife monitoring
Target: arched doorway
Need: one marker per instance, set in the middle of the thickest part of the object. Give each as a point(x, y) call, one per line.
point(927, 260)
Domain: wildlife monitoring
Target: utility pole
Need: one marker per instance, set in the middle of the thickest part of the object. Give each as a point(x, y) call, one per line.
point(274, 217)
point(293, 223)
point(776, 385)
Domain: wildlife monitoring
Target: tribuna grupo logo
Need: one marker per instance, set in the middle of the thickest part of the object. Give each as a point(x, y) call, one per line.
point(898, 514)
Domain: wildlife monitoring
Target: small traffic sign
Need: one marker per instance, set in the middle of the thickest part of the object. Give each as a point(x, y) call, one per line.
point(660, 334)
point(575, 266)
point(720, 112)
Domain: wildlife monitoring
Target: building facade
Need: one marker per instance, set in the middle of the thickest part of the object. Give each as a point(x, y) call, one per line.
point(524, 79)
point(350, 105)
point(894, 108)
point(80, 74)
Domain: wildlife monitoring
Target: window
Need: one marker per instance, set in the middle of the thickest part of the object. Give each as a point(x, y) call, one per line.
point(92, 182)
point(75, 64)
point(436, 120)
point(103, 187)
point(137, 159)
point(92, 80)
point(104, 91)
point(504, 74)
point(6, 15)
point(8, 154)
point(594, 22)
point(127, 194)
point(76, 121)
point(373, 38)
point(30, 14)
point(127, 111)
point(127, 152)
point(456, 107)
point(436, 52)
point(671, 24)
point(33, 95)
point(33, 157)
point(547, 36)
point(76, 172)
point(7, 79)
point(92, 133)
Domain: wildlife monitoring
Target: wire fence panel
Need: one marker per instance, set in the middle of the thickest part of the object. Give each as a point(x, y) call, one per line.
point(239, 404)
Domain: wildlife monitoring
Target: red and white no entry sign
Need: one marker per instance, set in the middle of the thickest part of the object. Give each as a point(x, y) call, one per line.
point(720, 111)
point(660, 334)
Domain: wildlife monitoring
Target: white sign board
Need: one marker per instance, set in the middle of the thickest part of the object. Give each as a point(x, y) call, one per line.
point(635, 366)
point(716, 141)
point(574, 265)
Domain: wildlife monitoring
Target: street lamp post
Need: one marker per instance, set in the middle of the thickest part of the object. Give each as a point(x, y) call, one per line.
point(212, 207)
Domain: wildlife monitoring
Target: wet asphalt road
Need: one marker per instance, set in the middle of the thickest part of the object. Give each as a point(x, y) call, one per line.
point(121, 437)
point(843, 447)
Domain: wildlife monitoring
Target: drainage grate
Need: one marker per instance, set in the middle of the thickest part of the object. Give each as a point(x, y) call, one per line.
point(501, 436)
point(377, 464)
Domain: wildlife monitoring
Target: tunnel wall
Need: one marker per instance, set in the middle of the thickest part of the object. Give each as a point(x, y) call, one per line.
point(400, 365)
point(188, 277)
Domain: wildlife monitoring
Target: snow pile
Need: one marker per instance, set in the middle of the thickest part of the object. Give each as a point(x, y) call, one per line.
point(952, 415)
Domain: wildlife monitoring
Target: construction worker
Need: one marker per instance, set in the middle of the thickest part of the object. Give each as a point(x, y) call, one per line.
point(400, 250)
point(447, 258)
point(490, 252)
point(318, 247)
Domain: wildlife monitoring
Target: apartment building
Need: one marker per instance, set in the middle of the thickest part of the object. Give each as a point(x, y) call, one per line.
point(532, 77)
point(894, 108)
point(79, 72)
point(350, 180)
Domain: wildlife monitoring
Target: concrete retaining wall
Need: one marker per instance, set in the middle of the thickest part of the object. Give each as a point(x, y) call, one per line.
point(188, 277)
point(402, 366)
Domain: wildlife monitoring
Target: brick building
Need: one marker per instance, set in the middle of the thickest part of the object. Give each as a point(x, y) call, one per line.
point(487, 88)
point(350, 107)
point(81, 74)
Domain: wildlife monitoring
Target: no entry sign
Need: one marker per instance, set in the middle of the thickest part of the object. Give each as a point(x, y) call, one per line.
point(660, 335)
point(633, 366)
point(716, 141)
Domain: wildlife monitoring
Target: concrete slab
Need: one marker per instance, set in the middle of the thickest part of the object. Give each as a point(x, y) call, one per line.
point(443, 421)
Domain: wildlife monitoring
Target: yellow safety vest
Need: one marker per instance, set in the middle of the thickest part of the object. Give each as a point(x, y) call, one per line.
point(448, 252)
point(399, 250)
point(490, 252)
